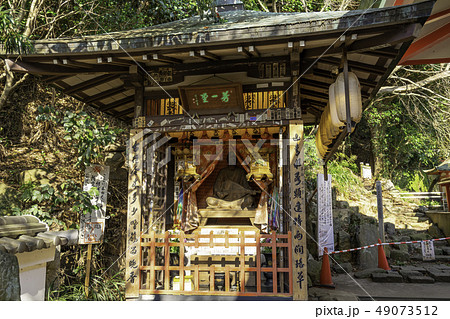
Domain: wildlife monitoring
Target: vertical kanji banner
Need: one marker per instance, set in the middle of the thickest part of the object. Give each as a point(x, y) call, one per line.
point(324, 214)
point(135, 174)
point(297, 210)
point(92, 225)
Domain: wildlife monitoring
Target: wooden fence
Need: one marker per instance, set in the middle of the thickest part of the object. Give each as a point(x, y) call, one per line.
point(163, 272)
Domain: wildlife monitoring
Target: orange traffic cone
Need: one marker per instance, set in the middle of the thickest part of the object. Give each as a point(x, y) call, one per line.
point(382, 261)
point(325, 271)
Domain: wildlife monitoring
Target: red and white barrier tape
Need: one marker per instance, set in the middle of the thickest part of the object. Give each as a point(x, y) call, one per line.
point(383, 244)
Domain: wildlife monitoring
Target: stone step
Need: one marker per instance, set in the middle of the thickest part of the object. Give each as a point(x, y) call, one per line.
point(445, 249)
point(414, 276)
point(442, 258)
point(421, 280)
point(387, 277)
point(439, 274)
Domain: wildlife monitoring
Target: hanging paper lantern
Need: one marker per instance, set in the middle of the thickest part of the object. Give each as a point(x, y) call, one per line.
point(354, 94)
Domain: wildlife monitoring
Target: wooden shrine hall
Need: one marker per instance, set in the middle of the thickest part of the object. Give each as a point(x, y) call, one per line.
point(216, 197)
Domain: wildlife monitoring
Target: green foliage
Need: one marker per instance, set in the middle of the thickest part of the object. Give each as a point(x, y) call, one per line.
point(417, 183)
point(87, 136)
point(408, 127)
point(300, 5)
point(413, 181)
point(344, 173)
point(47, 202)
point(125, 15)
point(401, 145)
point(10, 36)
point(100, 289)
point(343, 168)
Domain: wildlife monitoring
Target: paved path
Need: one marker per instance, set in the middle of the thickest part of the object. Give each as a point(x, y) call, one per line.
point(346, 286)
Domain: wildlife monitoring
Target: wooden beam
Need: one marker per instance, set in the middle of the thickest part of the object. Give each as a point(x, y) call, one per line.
point(139, 101)
point(107, 107)
point(56, 78)
point(92, 82)
point(314, 104)
point(125, 112)
point(294, 91)
point(327, 76)
point(244, 51)
point(104, 94)
point(209, 55)
point(254, 51)
point(160, 94)
point(205, 55)
point(315, 94)
point(314, 83)
point(117, 61)
point(388, 53)
point(163, 58)
point(387, 39)
point(208, 67)
point(362, 67)
point(75, 64)
point(51, 69)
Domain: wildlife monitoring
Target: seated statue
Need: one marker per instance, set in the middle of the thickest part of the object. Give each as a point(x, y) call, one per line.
point(231, 190)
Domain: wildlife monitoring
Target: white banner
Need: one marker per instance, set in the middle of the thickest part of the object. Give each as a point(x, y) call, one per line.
point(92, 225)
point(324, 214)
point(428, 250)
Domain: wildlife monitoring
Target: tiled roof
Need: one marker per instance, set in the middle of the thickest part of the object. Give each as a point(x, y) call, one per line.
point(27, 233)
point(444, 166)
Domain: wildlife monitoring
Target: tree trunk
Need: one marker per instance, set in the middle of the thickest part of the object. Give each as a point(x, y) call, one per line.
point(9, 84)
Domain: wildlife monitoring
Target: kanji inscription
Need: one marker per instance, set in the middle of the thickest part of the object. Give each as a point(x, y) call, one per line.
point(297, 209)
point(135, 160)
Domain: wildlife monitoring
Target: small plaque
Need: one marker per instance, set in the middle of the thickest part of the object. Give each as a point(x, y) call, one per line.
point(218, 99)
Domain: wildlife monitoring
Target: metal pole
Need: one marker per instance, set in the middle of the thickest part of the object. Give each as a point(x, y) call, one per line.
point(380, 210)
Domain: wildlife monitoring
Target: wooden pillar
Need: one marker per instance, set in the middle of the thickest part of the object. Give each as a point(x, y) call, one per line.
point(135, 183)
point(137, 81)
point(139, 101)
point(294, 92)
point(297, 210)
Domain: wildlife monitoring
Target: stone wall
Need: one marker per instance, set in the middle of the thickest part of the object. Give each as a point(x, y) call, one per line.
point(9, 277)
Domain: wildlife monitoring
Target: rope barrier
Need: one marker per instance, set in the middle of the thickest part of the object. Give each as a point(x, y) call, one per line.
point(384, 244)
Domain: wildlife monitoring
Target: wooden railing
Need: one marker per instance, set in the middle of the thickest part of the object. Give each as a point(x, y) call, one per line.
point(431, 196)
point(437, 196)
point(237, 274)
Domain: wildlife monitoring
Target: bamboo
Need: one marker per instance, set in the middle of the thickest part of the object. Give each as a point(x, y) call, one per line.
point(166, 262)
point(88, 270)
